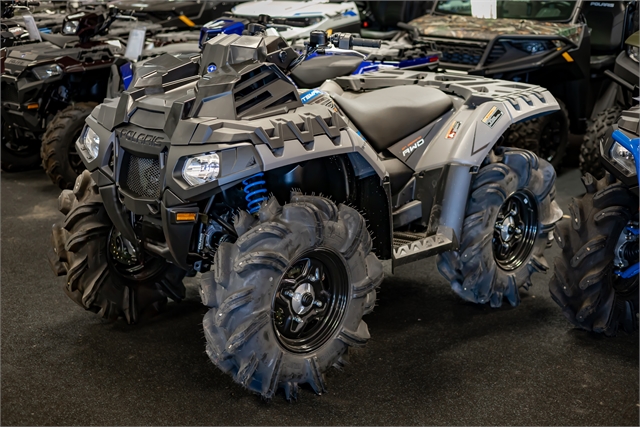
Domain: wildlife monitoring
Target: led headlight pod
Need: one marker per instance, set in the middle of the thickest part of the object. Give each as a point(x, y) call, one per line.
point(624, 158)
point(89, 143)
point(45, 71)
point(200, 169)
point(70, 27)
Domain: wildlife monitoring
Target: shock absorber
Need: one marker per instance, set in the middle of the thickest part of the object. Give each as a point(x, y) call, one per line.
point(255, 191)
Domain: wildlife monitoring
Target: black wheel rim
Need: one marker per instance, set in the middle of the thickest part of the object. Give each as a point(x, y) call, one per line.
point(551, 137)
point(310, 300)
point(515, 231)
point(127, 261)
point(16, 146)
point(75, 161)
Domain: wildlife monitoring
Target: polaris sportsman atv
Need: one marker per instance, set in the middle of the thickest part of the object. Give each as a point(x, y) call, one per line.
point(296, 19)
point(596, 277)
point(41, 79)
point(231, 174)
point(621, 94)
point(561, 45)
point(49, 88)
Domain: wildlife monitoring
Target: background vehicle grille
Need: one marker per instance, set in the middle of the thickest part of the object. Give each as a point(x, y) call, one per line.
point(460, 53)
point(142, 176)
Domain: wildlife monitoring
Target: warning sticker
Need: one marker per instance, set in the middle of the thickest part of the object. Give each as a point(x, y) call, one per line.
point(453, 130)
point(492, 116)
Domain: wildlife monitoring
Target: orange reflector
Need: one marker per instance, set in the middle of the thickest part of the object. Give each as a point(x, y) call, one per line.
point(187, 21)
point(33, 106)
point(186, 216)
point(567, 57)
point(330, 31)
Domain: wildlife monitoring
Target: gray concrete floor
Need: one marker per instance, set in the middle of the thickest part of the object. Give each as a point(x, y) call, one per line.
point(432, 359)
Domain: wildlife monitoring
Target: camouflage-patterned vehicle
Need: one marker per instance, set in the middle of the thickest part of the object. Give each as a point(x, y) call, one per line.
point(559, 45)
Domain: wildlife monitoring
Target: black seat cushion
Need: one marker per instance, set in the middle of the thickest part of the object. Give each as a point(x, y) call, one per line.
point(385, 116)
point(313, 72)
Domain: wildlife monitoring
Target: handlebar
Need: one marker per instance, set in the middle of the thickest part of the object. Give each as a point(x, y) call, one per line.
point(357, 41)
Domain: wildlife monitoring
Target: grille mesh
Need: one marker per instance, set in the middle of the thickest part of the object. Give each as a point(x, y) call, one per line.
point(143, 177)
point(460, 53)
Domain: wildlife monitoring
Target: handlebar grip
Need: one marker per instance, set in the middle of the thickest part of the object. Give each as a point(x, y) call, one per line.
point(357, 41)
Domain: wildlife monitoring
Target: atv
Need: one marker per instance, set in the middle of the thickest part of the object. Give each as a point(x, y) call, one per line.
point(296, 19)
point(621, 94)
point(285, 205)
point(181, 14)
point(596, 277)
point(49, 88)
point(560, 45)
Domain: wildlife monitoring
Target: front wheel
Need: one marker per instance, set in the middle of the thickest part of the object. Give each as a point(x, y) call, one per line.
point(596, 241)
point(17, 155)
point(287, 298)
point(106, 273)
point(60, 159)
point(509, 217)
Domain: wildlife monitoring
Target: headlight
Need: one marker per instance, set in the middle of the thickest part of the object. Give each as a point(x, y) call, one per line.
point(201, 169)
point(70, 27)
point(89, 143)
point(633, 52)
point(46, 71)
point(532, 46)
point(624, 158)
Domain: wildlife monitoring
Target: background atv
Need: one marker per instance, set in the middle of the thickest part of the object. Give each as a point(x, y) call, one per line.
point(596, 278)
point(180, 168)
point(562, 46)
point(621, 94)
point(334, 61)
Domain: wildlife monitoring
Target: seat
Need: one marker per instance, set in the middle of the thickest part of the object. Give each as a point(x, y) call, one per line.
point(313, 72)
point(385, 116)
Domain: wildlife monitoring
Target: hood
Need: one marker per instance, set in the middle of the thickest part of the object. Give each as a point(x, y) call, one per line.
point(467, 27)
point(290, 9)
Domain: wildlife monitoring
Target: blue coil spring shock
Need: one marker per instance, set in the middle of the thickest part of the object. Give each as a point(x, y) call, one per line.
point(255, 192)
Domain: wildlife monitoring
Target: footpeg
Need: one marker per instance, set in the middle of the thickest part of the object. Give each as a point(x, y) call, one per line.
point(406, 250)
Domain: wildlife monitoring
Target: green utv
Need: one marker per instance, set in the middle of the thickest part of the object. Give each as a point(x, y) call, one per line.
point(285, 200)
point(564, 46)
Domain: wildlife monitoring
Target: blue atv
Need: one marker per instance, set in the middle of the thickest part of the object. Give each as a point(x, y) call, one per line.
point(596, 278)
point(326, 64)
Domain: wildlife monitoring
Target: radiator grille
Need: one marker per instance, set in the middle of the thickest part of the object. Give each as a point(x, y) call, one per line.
point(143, 176)
point(460, 53)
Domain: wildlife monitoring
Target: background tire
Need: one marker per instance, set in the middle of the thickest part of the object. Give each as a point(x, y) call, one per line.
point(241, 332)
point(17, 158)
point(597, 131)
point(592, 297)
point(94, 280)
point(546, 136)
point(58, 152)
point(472, 270)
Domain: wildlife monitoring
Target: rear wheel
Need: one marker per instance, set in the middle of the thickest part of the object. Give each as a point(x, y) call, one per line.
point(597, 132)
point(287, 298)
point(592, 296)
point(60, 159)
point(17, 154)
point(546, 136)
point(106, 273)
point(510, 214)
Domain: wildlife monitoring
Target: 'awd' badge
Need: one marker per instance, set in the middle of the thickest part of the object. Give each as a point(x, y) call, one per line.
point(412, 146)
point(492, 116)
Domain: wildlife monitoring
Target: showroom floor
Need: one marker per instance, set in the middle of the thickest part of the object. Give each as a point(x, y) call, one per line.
point(433, 359)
